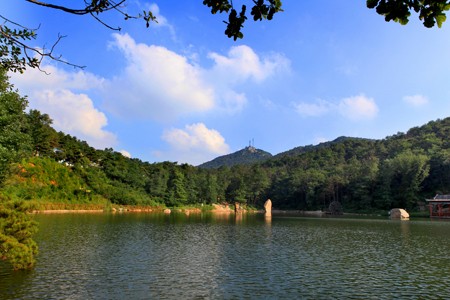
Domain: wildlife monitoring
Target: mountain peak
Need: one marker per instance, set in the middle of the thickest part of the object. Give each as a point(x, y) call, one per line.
point(245, 156)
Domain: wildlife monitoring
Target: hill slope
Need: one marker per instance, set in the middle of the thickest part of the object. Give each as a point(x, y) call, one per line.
point(304, 149)
point(248, 155)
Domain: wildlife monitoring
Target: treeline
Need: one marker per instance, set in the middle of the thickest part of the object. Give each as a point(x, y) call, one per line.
point(361, 174)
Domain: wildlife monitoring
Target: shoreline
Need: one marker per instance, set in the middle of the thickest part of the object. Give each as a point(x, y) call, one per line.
point(218, 209)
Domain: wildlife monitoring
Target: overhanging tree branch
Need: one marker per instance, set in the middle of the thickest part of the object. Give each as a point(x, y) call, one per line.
point(16, 55)
point(96, 6)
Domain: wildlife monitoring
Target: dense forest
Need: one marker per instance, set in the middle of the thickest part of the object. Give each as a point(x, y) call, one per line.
point(49, 167)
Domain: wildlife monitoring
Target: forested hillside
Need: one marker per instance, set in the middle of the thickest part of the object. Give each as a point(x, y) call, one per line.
point(246, 156)
point(46, 166)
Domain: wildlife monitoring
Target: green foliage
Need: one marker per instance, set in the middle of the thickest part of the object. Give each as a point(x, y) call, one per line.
point(13, 140)
point(176, 193)
point(12, 55)
point(359, 174)
point(16, 229)
point(261, 9)
point(16, 54)
point(15, 38)
point(44, 137)
point(248, 155)
point(406, 172)
point(431, 12)
point(39, 178)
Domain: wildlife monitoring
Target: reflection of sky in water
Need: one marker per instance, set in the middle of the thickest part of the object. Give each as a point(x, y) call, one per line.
point(143, 256)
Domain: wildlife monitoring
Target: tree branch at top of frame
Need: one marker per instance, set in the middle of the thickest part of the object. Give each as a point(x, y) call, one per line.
point(16, 54)
point(431, 12)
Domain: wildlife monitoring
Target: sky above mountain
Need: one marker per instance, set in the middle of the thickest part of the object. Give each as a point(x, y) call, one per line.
point(182, 91)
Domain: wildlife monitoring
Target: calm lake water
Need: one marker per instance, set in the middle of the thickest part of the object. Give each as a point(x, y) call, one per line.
point(151, 256)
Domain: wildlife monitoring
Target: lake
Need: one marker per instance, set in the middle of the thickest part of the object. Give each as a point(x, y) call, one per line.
point(205, 256)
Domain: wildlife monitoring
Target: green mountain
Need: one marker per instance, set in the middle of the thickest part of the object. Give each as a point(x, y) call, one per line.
point(246, 156)
point(349, 141)
point(53, 169)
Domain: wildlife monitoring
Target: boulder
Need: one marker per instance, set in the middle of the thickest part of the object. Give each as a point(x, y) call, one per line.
point(219, 208)
point(268, 207)
point(237, 207)
point(167, 211)
point(398, 213)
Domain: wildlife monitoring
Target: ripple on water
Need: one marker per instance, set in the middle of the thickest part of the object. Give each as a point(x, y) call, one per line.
point(152, 256)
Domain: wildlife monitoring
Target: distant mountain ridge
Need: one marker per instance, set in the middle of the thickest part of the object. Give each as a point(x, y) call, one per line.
point(304, 149)
point(248, 155)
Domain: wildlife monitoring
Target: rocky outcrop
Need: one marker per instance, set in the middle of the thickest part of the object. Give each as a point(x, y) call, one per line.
point(399, 213)
point(268, 208)
point(238, 207)
point(219, 208)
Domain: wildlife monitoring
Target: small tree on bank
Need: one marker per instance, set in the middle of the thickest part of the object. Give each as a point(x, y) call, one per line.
point(16, 225)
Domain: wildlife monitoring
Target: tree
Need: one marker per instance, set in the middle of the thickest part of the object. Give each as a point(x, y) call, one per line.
point(262, 9)
point(16, 54)
point(13, 123)
point(176, 194)
point(44, 137)
point(16, 231)
point(404, 174)
point(16, 227)
point(431, 12)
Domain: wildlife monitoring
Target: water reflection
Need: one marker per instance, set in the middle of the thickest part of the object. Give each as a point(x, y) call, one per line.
point(141, 256)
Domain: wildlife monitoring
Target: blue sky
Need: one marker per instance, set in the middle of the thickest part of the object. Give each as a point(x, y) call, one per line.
point(182, 91)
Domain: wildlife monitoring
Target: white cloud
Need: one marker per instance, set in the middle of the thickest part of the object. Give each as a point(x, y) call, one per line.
point(154, 8)
point(74, 114)
point(416, 100)
point(33, 79)
point(157, 84)
point(125, 153)
point(161, 21)
point(195, 143)
point(232, 102)
point(313, 109)
point(358, 108)
point(242, 64)
point(320, 140)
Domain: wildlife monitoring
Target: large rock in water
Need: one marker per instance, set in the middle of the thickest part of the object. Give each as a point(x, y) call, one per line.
point(268, 208)
point(399, 213)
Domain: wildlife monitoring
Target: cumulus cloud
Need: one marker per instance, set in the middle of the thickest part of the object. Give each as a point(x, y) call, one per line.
point(75, 114)
point(161, 20)
point(232, 102)
point(356, 108)
point(319, 108)
point(416, 100)
point(242, 64)
point(33, 79)
point(154, 8)
point(58, 94)
point(157, 84)
point(195, 143)
point(125, 153)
